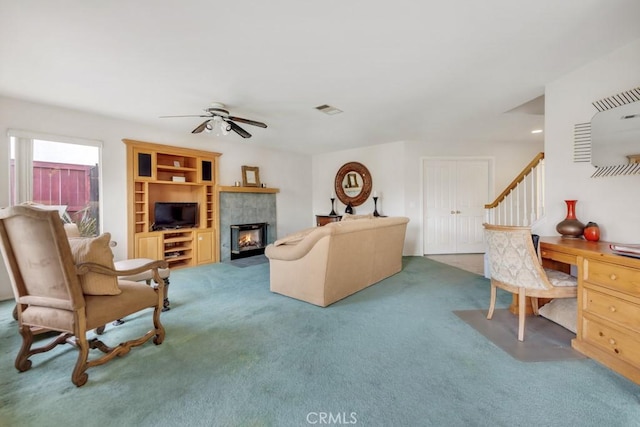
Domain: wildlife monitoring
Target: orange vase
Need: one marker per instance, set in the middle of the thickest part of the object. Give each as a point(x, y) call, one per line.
point(570, 227)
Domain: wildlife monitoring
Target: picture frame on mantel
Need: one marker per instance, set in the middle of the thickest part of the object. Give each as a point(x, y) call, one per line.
point(250, 176)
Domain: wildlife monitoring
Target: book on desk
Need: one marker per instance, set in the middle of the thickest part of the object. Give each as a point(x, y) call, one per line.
point(627, 250)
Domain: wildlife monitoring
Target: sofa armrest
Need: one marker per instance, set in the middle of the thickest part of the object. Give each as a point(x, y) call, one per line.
point(298, 249)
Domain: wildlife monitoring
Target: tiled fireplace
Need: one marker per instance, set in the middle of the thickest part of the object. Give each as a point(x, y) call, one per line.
point(245, 208)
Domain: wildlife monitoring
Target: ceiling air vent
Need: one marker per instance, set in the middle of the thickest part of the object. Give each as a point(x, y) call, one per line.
point(328, 109)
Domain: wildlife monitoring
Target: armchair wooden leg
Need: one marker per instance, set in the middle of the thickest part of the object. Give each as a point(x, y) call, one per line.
point(166, 304)
point(521, 313)
point(22, 362)
point(79, 377)
point(159, 329)
point(492, 304)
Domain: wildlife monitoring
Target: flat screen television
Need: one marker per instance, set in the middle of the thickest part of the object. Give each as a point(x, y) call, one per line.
point(170, 215)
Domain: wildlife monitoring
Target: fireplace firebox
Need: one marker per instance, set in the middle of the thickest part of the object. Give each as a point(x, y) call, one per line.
point(248, 239)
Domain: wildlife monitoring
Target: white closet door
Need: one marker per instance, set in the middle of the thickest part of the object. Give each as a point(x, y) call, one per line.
point(455, 192)
point(439, 206)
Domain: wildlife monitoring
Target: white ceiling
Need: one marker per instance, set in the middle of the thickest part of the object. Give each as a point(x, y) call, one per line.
point(436, 71)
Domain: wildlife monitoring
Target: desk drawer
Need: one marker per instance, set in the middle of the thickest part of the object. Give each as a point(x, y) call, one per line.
point(616, 310)
point(615, 343)
point(613, 276)
point(557, 256)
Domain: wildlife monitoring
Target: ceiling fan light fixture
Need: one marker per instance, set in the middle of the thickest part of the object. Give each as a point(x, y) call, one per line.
point(219, 126)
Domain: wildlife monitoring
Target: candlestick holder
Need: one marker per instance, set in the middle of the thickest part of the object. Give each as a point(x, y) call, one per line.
point(333, 212)
point(375, 206)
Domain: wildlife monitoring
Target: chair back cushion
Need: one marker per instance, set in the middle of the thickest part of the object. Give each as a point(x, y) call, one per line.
point(513, 259)
point(96, 250)
point(72, 230)
point(36, 255)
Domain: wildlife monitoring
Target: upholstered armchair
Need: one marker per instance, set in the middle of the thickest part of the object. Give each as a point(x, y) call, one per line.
point(70, 286)
point(515, 267)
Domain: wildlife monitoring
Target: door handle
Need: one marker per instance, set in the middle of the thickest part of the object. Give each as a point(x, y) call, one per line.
point(453, 212)
point(457, 212)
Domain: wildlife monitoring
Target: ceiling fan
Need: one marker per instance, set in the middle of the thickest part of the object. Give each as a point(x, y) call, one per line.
point(220, 122)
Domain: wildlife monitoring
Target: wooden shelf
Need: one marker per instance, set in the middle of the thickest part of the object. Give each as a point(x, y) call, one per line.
point(233, 189)
point(178, 239)
point(164, 181)
point(175, 168)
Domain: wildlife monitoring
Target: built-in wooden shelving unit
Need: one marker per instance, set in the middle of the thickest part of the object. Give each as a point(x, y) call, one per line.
point(160, 173)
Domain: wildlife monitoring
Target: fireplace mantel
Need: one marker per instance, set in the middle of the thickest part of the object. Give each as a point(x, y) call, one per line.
point(232, 189)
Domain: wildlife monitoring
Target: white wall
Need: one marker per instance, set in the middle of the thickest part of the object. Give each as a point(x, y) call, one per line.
point(384, 162)
point(287, 171)
point(396, 173)
point(612, 202)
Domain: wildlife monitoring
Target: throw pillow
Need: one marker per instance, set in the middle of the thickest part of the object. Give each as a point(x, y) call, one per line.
point(96, 250)
point(563, 311)
point(349, 217)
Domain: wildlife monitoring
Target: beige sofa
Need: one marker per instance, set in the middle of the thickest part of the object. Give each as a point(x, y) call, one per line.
point(322, 265)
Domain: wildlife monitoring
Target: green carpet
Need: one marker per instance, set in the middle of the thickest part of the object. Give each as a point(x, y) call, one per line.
point(393, 354)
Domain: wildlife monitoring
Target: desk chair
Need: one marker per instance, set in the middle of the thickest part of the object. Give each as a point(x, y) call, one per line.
point(515, 267)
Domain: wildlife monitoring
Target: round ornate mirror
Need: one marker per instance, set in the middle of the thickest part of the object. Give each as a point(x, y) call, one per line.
point(353, 183)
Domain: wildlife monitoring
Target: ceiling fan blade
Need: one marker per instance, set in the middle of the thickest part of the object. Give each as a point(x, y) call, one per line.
point(237, 129)
point(201, 127)
point(247, 121)
point(191, 115)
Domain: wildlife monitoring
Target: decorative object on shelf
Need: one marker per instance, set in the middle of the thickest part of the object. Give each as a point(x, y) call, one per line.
point(570, 227)
point(333, 211)
point(348, 209)
point(375, 204)
point(250, 176)
point(352, 181)
point(592, 232)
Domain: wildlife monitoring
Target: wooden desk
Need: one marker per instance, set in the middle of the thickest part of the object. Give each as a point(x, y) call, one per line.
point(326, 219)
point(608, 327)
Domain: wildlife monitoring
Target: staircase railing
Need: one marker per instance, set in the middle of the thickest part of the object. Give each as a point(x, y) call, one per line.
point(522, 202)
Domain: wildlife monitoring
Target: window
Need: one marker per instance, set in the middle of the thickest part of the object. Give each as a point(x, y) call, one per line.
point(60, 172)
